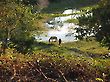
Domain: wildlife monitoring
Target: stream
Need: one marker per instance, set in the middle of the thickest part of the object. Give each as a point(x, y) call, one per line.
point(59, 28)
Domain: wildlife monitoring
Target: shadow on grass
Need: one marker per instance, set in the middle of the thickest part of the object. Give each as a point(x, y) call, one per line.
point(87, 54)
point(49, 48)
point(42, 45)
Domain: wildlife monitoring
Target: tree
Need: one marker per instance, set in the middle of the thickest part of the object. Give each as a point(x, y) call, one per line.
point(102, 14)
point(17, 26)
point(29, 2)
point(99, 23)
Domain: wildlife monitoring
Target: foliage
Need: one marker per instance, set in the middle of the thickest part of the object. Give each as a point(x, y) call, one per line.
point(29, 2)
point(17, 24)
point(98, 24)
point(52, 68)
point(87, 26)
point(102, 14)
point(75, 61)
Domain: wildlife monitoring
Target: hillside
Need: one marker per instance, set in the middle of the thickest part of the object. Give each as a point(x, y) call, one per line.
point(61, 5)
point(25, 59)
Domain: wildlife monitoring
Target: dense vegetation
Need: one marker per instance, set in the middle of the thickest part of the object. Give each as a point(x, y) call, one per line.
point(18, 24)
point(98, 24)
point(23, 59)
point(51, 63)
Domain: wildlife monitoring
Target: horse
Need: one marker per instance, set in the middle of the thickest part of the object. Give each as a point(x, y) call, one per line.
point(53, 39)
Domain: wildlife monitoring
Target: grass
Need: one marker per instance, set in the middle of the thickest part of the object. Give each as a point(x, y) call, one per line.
point(72, 21)
point(71, 61)
point(85, 48)
point(91, 47)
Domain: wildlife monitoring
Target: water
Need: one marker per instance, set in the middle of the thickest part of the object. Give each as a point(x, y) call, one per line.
point(59, 28)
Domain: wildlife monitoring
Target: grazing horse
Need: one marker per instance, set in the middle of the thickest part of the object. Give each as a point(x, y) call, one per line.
point(53, 39)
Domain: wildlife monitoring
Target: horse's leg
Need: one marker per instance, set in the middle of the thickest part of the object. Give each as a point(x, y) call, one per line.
point(49, 40)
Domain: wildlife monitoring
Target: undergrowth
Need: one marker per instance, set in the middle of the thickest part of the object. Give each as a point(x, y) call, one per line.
point(41, 67)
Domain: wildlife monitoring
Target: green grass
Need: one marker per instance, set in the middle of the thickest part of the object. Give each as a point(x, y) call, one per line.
point(72, 21)
point(84, 47)
point(92, 47)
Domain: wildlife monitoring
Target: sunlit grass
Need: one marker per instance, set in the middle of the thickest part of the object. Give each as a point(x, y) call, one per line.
point(91, 46)
point(72, 21)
